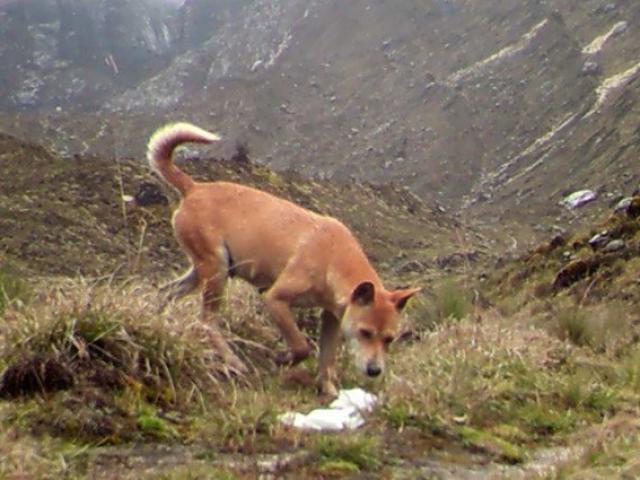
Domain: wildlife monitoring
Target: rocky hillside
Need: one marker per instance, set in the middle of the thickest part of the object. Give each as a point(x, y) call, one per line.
point(494, 109)
point(73, 216)
point(62, 53)
point(76, 54)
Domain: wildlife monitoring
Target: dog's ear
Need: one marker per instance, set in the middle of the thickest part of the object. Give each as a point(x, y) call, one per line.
point(363, 294)
point(401, 297)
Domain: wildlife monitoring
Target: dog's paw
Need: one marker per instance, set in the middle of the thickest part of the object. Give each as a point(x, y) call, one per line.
point(289, 358)
point(298, 377)
point(283, 359)
point(327, 390)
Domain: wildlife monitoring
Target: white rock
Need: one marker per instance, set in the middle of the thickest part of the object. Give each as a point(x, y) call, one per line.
point(623, 204)
point(579, 198)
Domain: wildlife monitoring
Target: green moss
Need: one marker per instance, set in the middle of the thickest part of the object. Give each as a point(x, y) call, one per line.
point(347, 451)
point(495, 446)
point(337, 467)
point(511, 433)
point(544, 420)
point(189, 472)
point(153, 426)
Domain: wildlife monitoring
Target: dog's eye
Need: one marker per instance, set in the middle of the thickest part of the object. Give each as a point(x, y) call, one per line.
point(366, 334)
point(387, 340)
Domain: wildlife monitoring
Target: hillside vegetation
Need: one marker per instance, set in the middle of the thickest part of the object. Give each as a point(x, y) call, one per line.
point(445, 133)
point(524, 368)
point(494, 109)
point(54, 207)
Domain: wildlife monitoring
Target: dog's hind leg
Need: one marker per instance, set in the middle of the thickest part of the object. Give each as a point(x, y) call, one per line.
point(215, 270)
point(179, 288)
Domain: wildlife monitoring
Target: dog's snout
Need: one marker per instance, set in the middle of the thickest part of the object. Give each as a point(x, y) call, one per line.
point(373, 370)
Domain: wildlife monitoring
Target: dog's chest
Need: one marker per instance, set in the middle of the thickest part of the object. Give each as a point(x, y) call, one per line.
point(307, 299)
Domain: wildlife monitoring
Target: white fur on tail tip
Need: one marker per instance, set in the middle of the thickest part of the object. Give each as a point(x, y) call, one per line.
point(166, 138)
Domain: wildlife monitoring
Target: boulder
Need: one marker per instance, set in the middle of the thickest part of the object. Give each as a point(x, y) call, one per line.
point(599, 240)
point(614, 246)
point(579, 199)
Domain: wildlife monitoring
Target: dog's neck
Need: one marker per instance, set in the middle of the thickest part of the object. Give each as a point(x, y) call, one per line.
point(344, 284)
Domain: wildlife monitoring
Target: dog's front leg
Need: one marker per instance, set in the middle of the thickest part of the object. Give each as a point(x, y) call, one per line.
point(329, 342)
point(281, 314)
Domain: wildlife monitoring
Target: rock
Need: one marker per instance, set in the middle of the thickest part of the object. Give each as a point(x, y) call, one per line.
point(455, 259)
point(590, 68)
point(623, 204)
point(633, 210)
point(571, 273)
point(608, 8)
point(409, 266)
point(579, 199)
point(614, 246)
point(599, 240)
point(620, 28)
point(149, 194)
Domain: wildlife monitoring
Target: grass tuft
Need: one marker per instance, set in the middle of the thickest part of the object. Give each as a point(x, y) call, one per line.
point(105, 347)
point(452, 302)
point(574, 327)
point(351, 453)
point(14, 291)
point(449, 301)
point(499, 387)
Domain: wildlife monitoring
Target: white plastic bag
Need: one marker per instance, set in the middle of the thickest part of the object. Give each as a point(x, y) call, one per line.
point(344, 413)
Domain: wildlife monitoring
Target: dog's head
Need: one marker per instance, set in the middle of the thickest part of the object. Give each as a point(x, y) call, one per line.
point(371, 323)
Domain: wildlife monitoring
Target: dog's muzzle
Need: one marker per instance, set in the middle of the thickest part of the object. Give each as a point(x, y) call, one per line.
point(373, 369)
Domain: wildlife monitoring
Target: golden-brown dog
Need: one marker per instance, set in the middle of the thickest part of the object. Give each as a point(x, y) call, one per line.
point(297, 257)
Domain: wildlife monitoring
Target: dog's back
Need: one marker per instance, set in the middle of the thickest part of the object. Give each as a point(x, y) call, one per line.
point(262, 234)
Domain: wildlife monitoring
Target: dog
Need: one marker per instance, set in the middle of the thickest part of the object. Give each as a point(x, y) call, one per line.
point(294, 256)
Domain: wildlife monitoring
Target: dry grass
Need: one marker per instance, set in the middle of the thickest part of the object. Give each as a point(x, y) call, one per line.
point(611, 451)
point(493, 385)
point(607, 329)
point(14, 291)
point(500, 386)
point(447, 301)
point(118, 362)
point(44, 457)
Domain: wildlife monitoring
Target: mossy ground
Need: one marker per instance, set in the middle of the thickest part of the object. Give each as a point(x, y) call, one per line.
point(477, 390)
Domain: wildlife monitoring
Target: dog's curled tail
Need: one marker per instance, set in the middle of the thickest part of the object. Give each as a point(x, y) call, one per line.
point(164, 142)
